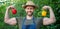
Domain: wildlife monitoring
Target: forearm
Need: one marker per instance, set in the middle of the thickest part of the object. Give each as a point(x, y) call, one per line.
point(6, 15)
point(52, 16)
point(51, 13)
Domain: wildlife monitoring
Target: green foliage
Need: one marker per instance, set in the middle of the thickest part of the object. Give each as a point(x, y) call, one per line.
point(37, 13)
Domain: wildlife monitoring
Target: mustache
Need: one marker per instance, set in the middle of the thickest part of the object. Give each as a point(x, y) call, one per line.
point(30, 12)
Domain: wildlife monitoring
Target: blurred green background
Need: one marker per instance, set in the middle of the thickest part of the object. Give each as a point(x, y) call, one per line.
point(55, 4)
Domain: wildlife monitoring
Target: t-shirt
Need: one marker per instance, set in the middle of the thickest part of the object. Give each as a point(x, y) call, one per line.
point(28, 22)
point(38, 21)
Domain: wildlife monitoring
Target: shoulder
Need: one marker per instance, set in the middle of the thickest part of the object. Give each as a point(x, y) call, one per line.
point(19, 18)
point(39, 18)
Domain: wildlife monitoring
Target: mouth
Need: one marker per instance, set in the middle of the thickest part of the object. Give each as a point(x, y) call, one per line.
point(29, 12)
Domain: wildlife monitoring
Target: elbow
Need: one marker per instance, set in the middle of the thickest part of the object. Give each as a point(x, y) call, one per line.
point(54, 21)
point(5, 21)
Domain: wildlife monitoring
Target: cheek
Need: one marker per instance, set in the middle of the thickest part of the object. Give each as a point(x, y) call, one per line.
point(32, 10)
point(26, 10)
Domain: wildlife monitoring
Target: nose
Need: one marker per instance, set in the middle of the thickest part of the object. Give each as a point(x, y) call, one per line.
point(29, 9)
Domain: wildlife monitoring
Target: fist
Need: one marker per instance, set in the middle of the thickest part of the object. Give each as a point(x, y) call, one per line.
point(46, 7)
point(10, 7)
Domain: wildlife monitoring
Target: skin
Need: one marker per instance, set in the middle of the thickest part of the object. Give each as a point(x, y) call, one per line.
point(29, 11)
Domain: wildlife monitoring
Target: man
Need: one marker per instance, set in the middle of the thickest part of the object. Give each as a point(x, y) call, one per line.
point(30, 22)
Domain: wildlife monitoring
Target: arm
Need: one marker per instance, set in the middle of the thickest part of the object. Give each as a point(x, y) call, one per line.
point(10, 21)
point(47, 21)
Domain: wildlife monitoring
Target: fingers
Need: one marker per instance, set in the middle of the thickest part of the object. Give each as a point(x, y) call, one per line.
point(46, 7)
point(10, 7)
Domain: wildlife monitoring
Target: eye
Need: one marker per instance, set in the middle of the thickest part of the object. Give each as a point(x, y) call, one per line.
point(27, 8)
point(31, 8)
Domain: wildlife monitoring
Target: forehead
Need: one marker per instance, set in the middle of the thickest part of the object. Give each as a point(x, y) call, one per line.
point(29, 7)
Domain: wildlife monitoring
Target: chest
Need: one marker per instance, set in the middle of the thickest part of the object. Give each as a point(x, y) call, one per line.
point(28, 22)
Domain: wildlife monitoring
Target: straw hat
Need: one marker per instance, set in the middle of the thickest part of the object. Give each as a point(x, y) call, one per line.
point(29, 3)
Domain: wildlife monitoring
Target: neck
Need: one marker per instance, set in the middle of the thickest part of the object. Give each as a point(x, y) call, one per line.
point(29, 17)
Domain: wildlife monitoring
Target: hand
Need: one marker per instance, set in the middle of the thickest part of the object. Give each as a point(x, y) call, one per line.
point(46, 7)
point(10, 7)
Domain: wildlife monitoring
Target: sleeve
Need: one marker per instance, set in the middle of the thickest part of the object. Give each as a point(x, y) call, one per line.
point(19, 22)
point(39, 22)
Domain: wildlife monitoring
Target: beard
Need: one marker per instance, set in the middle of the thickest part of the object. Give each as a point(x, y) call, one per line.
point(29, 13)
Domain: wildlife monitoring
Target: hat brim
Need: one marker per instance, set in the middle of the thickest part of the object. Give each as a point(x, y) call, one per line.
point(24, 6)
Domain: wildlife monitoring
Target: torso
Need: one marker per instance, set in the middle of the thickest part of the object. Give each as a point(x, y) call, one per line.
point(27, 22)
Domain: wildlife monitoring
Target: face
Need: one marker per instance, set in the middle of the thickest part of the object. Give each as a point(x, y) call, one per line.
point(29, 10)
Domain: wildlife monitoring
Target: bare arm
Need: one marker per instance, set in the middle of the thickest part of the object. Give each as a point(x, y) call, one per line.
point(47, 21)
point(10, 21)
